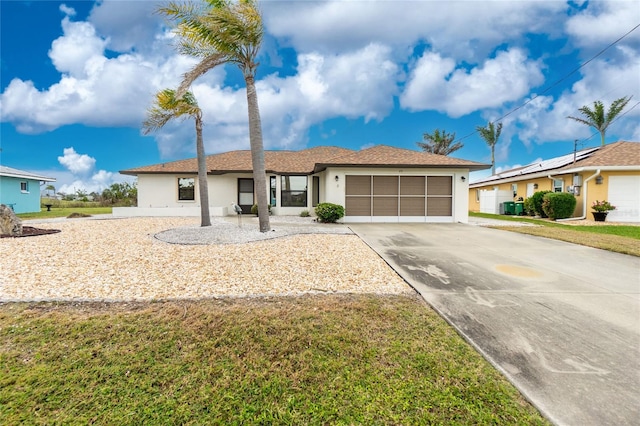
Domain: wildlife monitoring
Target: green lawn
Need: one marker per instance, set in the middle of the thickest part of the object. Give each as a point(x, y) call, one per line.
point(618, 238)
point(64, 212)
point(305, 360)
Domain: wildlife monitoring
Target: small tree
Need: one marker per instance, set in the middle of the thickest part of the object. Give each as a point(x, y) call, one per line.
point(167, 107)
point(50, 189)
point(439, 143)
point(597, 118)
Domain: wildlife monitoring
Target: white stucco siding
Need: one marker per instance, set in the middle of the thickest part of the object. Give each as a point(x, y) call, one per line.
point(161, 190)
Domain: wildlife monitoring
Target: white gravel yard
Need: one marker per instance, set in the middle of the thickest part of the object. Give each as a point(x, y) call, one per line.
point(124, 260)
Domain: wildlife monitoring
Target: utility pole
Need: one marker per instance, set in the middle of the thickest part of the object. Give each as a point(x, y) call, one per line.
point(575, 147)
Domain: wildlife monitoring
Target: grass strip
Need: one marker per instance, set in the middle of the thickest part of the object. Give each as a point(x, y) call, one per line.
point(307, 360)
point(64, 212)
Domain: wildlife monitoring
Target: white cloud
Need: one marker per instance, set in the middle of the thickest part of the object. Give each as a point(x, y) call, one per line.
point(78, 47)
point(603, 22)
point(361, 84)
point(467, 30)
point(78, 164)
point(436, 84)
point(94, 89)
point(545, 119)
point(81, 174)
point(129, 24)
point(69, 11)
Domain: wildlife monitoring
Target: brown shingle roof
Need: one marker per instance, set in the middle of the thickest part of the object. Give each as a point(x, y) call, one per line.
point(383, 155)
point(621, 153)
point(310, 160)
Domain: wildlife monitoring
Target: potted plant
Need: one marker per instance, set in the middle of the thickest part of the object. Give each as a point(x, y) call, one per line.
point(601, 209)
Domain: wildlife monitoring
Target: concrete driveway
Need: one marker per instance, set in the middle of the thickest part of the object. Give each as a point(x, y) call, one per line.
point(561, 321)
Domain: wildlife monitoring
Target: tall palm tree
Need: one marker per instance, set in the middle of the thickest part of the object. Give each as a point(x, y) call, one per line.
point(221, 31)
point(491, 134)
point(597, 118)
point(439, 143)
point(166, 108)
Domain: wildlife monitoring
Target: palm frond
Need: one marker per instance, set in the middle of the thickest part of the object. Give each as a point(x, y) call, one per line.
point(200, 69)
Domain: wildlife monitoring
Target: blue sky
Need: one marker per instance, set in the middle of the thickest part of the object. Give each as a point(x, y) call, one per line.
point(77, 78)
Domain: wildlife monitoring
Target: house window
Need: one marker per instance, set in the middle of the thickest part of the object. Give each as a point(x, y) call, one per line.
point(293, 191)
point(316, 191)
point(558, 185)
point(186, 189)
point(24, 187)
point(272, 190)
point(514, 188)
point(477, 195)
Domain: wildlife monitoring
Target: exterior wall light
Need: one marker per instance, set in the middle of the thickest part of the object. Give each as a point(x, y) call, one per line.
point(535, 186)
point(599, 180)
point(337, 178)
point(462, 178)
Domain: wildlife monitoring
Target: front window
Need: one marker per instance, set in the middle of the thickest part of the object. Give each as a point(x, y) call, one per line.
point(293, 192)
point(272, 190)
point(186, 189)
point(558, 185)
point(24, 186)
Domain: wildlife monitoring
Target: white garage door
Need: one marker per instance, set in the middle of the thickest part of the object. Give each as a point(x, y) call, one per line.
point(624, 193)
point(399, 198)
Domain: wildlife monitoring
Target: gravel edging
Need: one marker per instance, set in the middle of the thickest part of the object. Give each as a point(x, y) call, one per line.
point(224, 231)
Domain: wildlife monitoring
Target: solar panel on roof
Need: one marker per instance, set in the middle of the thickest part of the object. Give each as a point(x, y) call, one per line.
point(551, 164)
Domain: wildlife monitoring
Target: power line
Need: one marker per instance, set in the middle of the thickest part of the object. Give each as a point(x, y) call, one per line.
point(560, 81)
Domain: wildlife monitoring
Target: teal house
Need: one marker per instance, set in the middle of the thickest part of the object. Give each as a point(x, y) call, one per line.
point(20, 190)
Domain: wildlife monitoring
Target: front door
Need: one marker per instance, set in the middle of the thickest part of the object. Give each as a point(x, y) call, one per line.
point(245, 194)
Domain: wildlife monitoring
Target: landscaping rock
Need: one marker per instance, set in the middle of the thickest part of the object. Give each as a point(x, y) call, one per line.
point(10, 224)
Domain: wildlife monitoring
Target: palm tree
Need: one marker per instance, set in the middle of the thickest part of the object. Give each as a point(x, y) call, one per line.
point(491, 134)
point(439, 143)
point(166, 108)
point(221, 31)
point(50, 188)
point(597, 118)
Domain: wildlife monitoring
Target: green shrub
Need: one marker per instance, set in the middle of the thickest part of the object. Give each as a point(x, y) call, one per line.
point(304, 213)
point(529, 209)
point(254, 209)
point(536, 200)
point(559, 205)
point(329, 213)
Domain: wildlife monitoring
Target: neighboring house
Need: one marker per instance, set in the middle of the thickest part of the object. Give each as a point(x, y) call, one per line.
point(20, 190)
point(378, 184)
point(611, 173)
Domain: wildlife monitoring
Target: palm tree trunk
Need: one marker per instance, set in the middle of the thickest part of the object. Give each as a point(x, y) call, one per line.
point(602, 136)
point(493, 159)
point(205, 217)
point(257, 154)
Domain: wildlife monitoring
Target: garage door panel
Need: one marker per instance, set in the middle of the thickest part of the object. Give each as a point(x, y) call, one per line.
point(439, 185)
point(440, 206)
point(412, 185)
point(412, 206)
point(624, 193)
point(358, 185)
point(358, 206)
point(385, 185)
point(385, 206)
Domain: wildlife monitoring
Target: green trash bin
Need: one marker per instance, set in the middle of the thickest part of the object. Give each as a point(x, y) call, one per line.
point(519, 208)
point(509, 207)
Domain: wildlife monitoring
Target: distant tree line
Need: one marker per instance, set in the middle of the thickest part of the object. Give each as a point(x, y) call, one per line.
point(122, 194)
